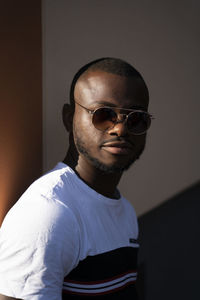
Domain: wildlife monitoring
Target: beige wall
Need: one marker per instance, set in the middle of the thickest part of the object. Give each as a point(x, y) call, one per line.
point(20, 98)
point(161, 39)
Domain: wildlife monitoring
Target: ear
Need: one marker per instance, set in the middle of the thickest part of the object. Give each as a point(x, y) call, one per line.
point(67, 115)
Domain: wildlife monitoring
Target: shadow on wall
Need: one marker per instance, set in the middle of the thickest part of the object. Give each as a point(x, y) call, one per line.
point(169, 256)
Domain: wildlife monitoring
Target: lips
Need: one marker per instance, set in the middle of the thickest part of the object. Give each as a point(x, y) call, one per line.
point(120, 148)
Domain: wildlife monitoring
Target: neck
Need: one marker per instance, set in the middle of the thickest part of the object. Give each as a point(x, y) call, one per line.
point(101, 182)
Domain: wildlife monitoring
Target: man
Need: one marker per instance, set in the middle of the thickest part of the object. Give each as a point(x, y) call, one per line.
point(72, 235)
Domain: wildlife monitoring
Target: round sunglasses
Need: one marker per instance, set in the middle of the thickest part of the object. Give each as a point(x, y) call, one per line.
point(105, 118)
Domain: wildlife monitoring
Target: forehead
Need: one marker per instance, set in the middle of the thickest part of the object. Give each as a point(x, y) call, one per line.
point(96, 87)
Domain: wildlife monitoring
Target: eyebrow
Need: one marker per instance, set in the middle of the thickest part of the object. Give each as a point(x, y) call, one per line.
point(109, 104)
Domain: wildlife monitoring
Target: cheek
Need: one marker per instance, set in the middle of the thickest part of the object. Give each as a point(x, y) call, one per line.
point(82, 120)
point(139, 140)
point(85, 130)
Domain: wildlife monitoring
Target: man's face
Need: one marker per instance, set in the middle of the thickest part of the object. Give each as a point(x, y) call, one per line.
point(115, 149)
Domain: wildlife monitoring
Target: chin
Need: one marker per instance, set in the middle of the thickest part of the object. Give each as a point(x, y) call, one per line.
point(111, 169)
point(117, 167)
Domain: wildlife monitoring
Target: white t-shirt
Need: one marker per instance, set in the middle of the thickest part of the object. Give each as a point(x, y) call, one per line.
point(58, 223)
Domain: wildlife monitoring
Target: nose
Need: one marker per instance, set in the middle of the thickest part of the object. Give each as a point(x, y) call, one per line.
point(119, 128)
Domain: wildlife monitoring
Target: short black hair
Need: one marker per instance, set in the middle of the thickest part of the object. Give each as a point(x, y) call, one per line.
point(110, 65)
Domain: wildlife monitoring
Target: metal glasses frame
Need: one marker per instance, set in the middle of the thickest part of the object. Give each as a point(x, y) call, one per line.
point(92, 111)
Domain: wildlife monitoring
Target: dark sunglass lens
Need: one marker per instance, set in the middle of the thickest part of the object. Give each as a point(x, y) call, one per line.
point(103, 118)
point(138, 122)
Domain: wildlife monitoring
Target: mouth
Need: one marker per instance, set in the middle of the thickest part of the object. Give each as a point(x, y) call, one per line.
point(118, 148)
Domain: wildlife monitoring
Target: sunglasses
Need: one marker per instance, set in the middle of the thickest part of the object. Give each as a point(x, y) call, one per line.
point(105, 118)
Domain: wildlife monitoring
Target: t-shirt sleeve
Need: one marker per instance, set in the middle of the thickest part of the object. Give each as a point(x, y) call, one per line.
point(39, 246)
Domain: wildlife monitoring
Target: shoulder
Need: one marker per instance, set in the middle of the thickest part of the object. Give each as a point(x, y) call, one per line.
point(46, 197)
point(37, 214)
point(44, 207)
point(56, 181)
point(131, 216)
point(41, 216)
point(39, 241)
point(128, 206)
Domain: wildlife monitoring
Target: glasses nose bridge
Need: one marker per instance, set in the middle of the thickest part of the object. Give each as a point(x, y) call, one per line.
point(123, 119)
